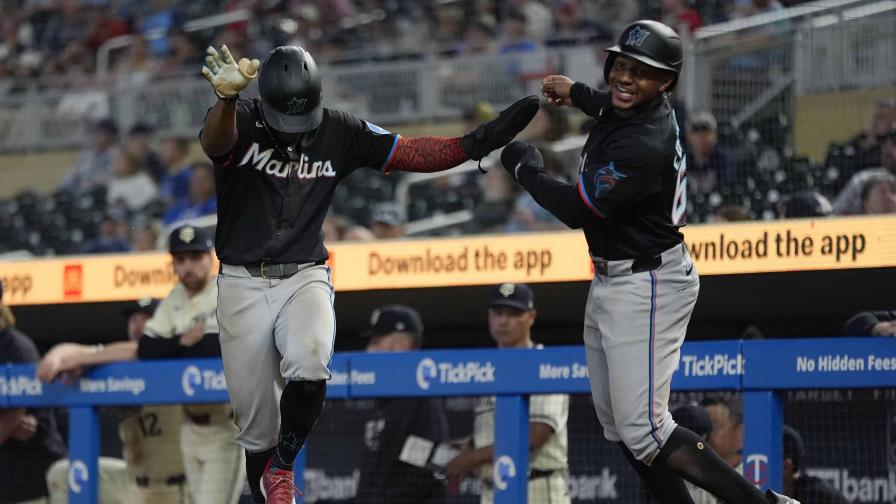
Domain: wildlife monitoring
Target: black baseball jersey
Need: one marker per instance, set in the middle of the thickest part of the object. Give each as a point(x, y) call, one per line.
point(631, 178)
point(23, 464)
point(272, 201)
point(812, 490)
point(386, 479)
point(630, 196)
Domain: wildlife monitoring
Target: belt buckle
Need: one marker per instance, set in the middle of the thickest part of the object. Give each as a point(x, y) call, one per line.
point(262, 270)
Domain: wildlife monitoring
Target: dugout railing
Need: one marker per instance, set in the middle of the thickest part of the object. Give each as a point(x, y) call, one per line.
point(759, 369)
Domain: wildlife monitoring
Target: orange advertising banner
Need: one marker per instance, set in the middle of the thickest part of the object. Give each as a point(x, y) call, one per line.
point(728, 249)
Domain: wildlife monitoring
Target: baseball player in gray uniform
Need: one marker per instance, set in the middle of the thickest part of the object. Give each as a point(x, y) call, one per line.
point(630, 200)
point(278, 160)
point(511, 314)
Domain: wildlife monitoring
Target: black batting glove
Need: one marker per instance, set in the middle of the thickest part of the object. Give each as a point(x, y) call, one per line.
point(500, 130)
point(518, 156)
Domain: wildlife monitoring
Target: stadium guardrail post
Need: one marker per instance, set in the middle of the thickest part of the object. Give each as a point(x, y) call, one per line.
point(511, 461)
point(763, 419)
point(84, 454)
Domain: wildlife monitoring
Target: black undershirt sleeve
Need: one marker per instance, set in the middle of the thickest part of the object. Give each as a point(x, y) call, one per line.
point(555, 196)
point(587, 99)
point(170, 348)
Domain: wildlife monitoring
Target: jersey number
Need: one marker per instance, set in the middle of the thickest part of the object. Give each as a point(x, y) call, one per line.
point(680, 200)
point(149, 424)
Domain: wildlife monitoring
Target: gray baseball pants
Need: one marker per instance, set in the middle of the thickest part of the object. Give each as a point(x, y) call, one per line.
point(635, 324)
point(272, 330)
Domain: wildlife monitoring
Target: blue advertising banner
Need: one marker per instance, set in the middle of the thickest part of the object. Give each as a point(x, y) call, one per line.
point(338, 386)
point(703, 366)
point(157, 382)
point(820, 363)
point(709, 365)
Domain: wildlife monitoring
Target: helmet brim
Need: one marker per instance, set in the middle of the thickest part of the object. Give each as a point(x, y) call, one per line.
point(288, 123)
point(640, 57)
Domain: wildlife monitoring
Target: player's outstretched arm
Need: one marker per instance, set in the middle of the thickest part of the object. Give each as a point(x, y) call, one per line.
point(525, 165)
point(71, 358)
point(228, 78)
point(434, 154)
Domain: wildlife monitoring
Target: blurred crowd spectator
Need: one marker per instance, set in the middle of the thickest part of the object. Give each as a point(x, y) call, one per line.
point(62, 42)
point(129, 183)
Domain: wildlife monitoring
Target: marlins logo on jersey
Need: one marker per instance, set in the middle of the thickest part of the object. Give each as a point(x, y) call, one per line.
point(266, 161)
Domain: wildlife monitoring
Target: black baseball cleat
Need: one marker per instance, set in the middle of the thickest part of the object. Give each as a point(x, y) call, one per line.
point(500, 130)
point(776, 498)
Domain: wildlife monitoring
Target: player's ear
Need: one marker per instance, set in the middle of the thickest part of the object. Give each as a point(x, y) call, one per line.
point(667, 80)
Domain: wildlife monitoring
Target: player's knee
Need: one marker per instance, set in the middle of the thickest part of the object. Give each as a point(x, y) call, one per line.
point(642, 443)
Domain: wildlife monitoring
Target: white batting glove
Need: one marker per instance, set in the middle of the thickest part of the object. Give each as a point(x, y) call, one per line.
point(226, 76)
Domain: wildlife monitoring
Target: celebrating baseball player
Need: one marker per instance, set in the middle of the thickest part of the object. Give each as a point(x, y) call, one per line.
point(277, 162)
point(630, 200)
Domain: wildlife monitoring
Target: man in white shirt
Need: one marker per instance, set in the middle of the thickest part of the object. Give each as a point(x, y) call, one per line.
point(511, 315)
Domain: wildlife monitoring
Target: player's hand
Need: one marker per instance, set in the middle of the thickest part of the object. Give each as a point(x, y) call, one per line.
point(556, 89)
point(520, 155)
point(62, 361)
point(193, 335)
point(884, 329)
point(461, 465)
point(226, 76)
point(496, 133)
point(26, 429)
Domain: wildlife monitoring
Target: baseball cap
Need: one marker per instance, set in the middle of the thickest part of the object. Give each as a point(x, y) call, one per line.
point(514, 295)
point(189, 239)
point(793, 445)
point(146, 305)
point(694, 418)
point(703, 121)
point(388, 213)
point(106, 125)
point(805, 204)
point(392, 318)
point(140, 128)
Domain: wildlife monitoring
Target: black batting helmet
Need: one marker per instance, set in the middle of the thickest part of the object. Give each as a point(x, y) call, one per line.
point(289, 85)
point(651, 43)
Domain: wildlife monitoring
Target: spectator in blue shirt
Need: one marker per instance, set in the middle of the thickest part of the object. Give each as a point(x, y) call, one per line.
point(516, 37)
point(175, 185)
point(157, 26)
point(201, 201)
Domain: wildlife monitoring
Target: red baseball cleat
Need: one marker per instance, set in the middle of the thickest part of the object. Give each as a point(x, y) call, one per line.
point(278, 485)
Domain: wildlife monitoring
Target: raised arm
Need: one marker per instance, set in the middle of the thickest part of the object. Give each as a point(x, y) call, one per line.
point(562, 91)
point(433, 154)
point(228, 78)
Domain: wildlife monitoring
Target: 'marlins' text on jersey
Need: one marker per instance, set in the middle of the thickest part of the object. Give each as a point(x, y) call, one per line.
point(267, 162)
point(272, 200)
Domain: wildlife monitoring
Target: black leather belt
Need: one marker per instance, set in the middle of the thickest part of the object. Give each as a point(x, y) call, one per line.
point(643, 264)
point(538, 473)
point(276, 270)
point(533, 474)
point(639, 265)
point(143, 481)
point(204, 419)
